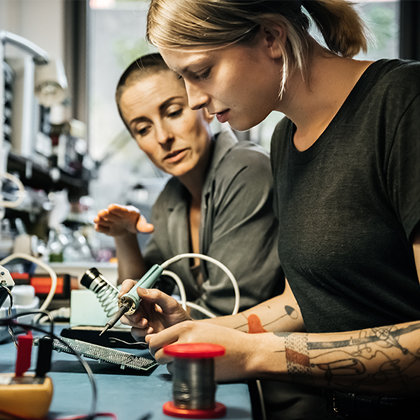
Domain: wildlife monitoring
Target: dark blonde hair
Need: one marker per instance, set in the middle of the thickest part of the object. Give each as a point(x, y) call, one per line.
point(213, 23)
point(140, 68)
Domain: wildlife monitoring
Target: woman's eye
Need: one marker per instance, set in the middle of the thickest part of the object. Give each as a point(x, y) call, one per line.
point(204, 75)
point(175, 114)
point(142, 131)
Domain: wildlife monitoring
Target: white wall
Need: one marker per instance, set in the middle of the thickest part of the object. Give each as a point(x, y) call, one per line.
point(40, 21)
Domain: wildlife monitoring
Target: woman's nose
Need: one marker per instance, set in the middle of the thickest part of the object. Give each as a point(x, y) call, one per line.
point(163, 134)
point(197, 98)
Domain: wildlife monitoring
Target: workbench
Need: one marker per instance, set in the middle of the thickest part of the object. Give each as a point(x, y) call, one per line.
point(128, 393)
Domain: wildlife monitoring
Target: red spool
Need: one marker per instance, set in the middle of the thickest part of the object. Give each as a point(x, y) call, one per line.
point(194, 351)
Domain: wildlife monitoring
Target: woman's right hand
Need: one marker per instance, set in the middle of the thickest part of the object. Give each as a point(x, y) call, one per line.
point(119, 220)
point(156, 311)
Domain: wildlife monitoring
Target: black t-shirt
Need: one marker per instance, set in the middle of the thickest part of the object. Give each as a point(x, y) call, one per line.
point(348, 205)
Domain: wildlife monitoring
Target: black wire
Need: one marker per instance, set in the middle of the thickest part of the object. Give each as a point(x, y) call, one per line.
point(10, 322)
point(11, 318)
point(10, 297)
point(9, 312)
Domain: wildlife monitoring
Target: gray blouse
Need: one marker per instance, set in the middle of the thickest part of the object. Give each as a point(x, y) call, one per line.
point(238, 228)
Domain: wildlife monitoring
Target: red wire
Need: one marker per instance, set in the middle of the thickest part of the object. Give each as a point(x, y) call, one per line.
point(104, 414)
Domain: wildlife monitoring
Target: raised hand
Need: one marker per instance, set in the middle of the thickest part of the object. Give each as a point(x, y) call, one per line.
point(119, 220)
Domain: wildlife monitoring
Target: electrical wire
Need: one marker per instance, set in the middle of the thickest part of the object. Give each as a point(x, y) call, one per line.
point(104, 414)
point(205, 311)
point(48, 269)
point(21, 192)
point(9, 312)
point(63, 313)
point(220, 265)
point(261, 398)
point(183, 295)
point(78, 417)
point(180, 285)
point(10, 321)
point(172, 260)
point(51, 293)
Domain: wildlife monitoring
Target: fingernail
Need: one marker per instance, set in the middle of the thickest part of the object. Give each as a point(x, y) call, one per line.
point(143, 291)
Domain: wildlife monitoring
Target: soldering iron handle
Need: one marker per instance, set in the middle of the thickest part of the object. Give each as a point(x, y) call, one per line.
point(147, 281)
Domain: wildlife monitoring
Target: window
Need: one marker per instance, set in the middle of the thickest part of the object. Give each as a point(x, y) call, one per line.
point(125, 176)
point(382, 18)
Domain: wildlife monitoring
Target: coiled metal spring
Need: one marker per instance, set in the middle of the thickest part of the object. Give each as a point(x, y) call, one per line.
point(106, 292)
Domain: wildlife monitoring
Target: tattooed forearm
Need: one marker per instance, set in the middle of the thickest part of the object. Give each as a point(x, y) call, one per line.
point(297, 358)
point(256, 326)
point(242, 325)
point(387, 357)
point(291, 312)
point(387, 335)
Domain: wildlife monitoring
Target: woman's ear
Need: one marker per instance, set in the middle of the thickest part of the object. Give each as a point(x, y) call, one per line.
point(207, 116)
point(274, 38)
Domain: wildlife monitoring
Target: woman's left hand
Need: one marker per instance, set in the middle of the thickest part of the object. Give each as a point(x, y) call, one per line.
point(240, 347)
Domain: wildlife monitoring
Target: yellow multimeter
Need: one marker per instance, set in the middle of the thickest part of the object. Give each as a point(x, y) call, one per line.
point(25, 396)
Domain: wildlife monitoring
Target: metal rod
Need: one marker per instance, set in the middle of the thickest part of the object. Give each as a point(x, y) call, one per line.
point(40, 57)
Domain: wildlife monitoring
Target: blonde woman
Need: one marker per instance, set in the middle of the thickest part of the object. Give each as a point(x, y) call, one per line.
point(346, 172)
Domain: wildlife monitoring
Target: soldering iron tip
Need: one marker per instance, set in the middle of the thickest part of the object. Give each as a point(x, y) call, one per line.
point(105, 329)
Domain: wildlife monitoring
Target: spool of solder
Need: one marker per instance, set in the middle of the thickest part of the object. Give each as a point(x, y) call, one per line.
point(194, 387)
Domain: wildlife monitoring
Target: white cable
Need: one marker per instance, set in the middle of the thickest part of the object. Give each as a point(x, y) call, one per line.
point(56, 314)
point(183, 295)
point(216, 262)
point(201, 309)
point(181, 287)
point(261, 398)
point(37, 261)
point(21, 193)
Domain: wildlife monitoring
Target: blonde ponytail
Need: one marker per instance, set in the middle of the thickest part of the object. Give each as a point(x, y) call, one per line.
point(341, 26)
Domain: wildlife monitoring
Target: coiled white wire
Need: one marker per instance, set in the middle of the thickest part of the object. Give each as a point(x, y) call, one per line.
point(181, 287)
point(183, 296)
point(172, 260)
point(48, 269)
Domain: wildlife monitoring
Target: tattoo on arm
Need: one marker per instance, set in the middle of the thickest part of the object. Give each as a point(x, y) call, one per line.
point(388, 335)
point(255, 325)
point(374, 357)
point(297, 358)
point(290, 311)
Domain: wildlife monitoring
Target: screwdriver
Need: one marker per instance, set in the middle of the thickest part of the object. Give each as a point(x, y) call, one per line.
point(130, 301)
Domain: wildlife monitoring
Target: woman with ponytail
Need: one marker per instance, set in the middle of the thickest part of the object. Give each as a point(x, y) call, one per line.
point(345, 161)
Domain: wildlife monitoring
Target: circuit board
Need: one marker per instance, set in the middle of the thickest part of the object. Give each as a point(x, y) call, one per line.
point(104, 354)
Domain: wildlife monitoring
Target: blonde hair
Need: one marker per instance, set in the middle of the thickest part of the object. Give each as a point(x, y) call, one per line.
point(216, 23)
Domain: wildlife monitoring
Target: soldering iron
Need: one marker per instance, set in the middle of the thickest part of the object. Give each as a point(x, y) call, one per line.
point(130, 301)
